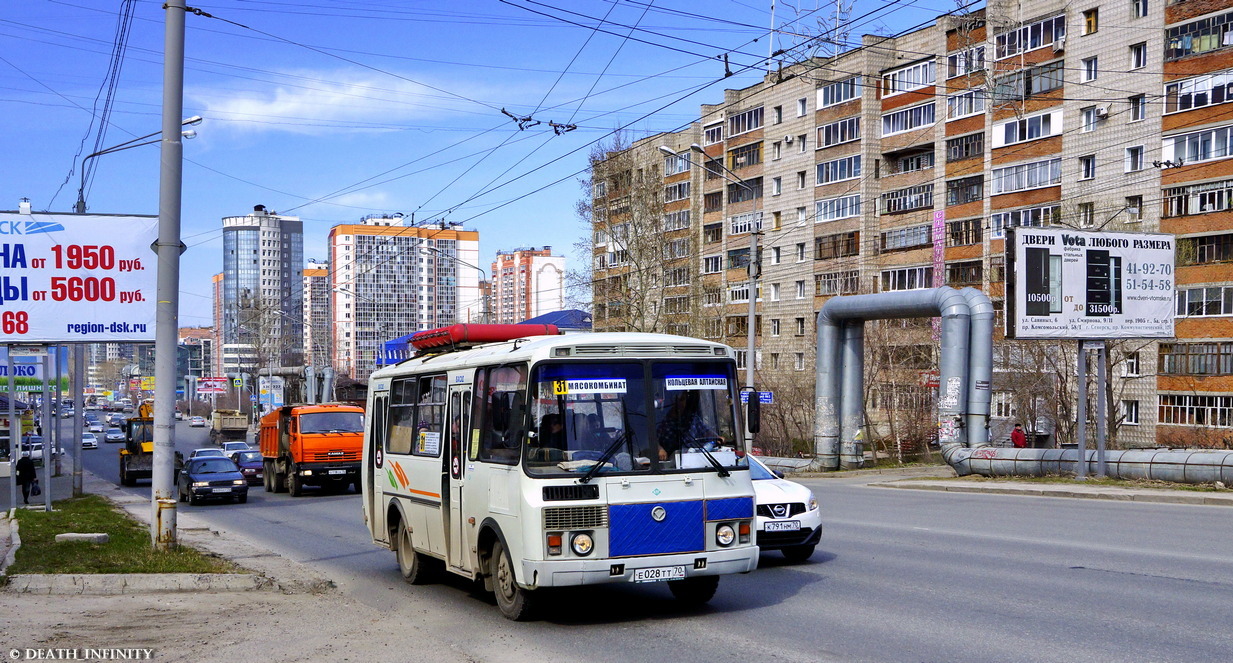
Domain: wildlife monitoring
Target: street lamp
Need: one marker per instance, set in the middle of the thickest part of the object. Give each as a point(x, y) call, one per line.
point(484, 313)
point(80, 207)
point(754, 268)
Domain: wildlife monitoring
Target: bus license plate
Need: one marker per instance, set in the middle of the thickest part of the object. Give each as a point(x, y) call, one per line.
point(338, 471)
point(785, 526)
point(659, 574)
point(222, 490)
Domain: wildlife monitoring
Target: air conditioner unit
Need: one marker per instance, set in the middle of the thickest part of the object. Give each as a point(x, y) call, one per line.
point(787, 140)
point(1102, 111)
point(1059, 44)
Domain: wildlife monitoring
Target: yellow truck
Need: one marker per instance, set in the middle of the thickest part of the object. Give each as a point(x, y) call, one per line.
point(137, 456)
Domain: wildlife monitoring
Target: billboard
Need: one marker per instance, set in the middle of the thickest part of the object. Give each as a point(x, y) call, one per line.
point(76, 278)
point(213, 385)
point(1063, 283)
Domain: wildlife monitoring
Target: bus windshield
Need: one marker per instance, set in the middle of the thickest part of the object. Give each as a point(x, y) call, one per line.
point(632, 417)
point(332, 422)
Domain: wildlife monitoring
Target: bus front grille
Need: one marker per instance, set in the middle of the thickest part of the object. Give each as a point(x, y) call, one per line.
point(575, 517)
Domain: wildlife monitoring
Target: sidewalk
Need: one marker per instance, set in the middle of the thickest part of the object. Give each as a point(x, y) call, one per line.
point(1076, 489)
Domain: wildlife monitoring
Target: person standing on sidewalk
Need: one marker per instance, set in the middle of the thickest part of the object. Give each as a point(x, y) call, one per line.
point(25, 476)
point(1018, 438)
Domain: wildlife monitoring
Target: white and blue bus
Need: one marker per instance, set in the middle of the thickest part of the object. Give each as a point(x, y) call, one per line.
point(556, 460)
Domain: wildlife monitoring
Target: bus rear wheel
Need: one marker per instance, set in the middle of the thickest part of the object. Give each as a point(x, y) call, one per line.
point(516, 603)
point(694, 591)
point(412, 565)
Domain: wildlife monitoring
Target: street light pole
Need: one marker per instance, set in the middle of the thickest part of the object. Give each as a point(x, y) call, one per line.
point(754, 269)
point(80, 207)
point(485, 310)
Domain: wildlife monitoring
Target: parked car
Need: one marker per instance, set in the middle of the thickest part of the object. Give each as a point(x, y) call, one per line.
point(205, 478)
point(250, 464)
point(206, 453)
point(235, 445)
point(197, 422)
point(89, 441)
point(179, 415)
point(789, 519)
point(33, 445)
point(114, 435)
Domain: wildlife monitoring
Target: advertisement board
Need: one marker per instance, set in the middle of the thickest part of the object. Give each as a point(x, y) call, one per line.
point(1063, 283)
point(213, 385)
point(76, 278)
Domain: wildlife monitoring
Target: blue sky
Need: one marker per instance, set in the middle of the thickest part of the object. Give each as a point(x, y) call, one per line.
point(334, 109)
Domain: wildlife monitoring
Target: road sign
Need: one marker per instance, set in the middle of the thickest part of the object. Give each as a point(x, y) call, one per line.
point(28, 350)
point(764, 397)
point(237, 382)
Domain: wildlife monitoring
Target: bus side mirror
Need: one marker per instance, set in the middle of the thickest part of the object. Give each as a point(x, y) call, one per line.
point(753, 414)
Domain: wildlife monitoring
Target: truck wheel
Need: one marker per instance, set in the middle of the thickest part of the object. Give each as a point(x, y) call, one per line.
point(515, 603)
point(267, 474)
point(295, 485)
point(124, 479)
point(694, 591)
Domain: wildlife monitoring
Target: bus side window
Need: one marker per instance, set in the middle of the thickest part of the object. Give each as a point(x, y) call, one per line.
point(501, 410)
point(402, 417)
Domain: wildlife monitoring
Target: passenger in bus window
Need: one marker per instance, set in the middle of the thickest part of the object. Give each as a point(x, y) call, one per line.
point(681, 424)
point(551, 431)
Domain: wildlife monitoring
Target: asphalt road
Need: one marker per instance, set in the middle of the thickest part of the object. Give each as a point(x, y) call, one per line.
point(899, 576)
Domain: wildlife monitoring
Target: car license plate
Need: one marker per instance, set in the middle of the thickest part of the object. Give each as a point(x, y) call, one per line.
point(338, 471)
point(659, 574)
point(222, 490)
point(782, 526)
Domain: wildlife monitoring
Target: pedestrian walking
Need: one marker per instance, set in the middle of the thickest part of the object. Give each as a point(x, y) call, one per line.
point(25, 476)
point(1018, 438)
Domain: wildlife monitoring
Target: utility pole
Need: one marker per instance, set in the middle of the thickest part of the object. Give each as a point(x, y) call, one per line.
point(169, 247)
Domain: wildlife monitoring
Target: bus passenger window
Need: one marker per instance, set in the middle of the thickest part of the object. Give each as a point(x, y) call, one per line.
point(502, 414)
point(401, 437)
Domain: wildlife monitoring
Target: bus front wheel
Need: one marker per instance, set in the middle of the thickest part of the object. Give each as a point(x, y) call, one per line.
point(515, 602)
point(694, 591)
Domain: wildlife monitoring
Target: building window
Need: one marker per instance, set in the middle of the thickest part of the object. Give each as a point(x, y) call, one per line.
point(776, 186)
point(1030, 37)
point(1205, 250)
point(1130, 413)
point(1198, 198)
point(1138, 8)
point(675, 192)
point(800, 252)
point(1130, 368)
point(838, 170)
point(1138, 107)
point(1035, 217)
point(907, 278)
point(676, 220)
point(801, 215)
point(712, 232)
point(800, 326)
point(906, 238)
point(1088, 118)
point(1202, 36)
point(966, 190)
point(963, 104)
point(744, 223)
point(839, 92)
point(1206, 145)
point(775, 327)
point(675, 164)
point(713, 134)
point(1134, 209)
point(1091, 68)
point(836, 283)
point(1087, 215)
point(798, 361)
point(776, 150)
point(774, 292)
point(964, 233)
point(838, 245)
point(1196, 358)
point(745, 156)
point(837, 133)
point(1028, 128)
point(838, 208)
point(777, 115)
point(965, 147)
point(1138, 55)
point(802, 143)
point(776, 255)
point(802, 107)
point(1027, 176)
point(1091, 21)
point(908, 119)
point(738, 258)
point(1198, 92)
point(744, 122)
point(1194, 410)
point(910, 198)
point(964, 273)
point(800, 289)
point(713, 202)
point(1204, 302)
point(774, 360)
point(712, 264)
point(800, 179)
point(1134, 159)
point(748, 190)
point(1021, 85)
point(969, 61)
point(905, 79)
point(1087, 167)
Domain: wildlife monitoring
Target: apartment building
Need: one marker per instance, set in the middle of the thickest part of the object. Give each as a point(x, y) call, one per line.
point(317, 314)
point(261, 320)
point(900, 164)
point(388, 279)
point(526, 282)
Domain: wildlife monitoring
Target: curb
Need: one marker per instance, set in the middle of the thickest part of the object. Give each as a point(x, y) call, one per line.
point(1096, 494)
point(134, 583)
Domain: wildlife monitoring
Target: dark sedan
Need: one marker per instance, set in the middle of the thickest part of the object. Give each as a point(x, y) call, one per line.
point(211, 478)
point(251, 465)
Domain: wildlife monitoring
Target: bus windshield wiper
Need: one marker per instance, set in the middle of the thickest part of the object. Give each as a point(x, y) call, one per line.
point(603, 458)
point(693, 442)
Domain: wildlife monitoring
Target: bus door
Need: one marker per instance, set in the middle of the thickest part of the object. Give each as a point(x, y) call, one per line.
point(458, 533)
point(373, 467)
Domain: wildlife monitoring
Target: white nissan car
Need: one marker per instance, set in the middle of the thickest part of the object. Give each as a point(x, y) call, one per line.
point(789, 519)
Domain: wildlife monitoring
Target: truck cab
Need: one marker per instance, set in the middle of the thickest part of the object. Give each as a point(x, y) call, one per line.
point(312, 445)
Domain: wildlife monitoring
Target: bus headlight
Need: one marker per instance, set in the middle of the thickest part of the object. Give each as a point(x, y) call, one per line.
point(582, 543)
point(725, 535)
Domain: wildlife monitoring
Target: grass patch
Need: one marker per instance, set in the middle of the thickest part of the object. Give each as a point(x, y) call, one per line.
point(128, 551)
point(1090, 481)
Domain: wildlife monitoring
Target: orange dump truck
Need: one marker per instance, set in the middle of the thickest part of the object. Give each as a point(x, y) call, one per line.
point(312, 445)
